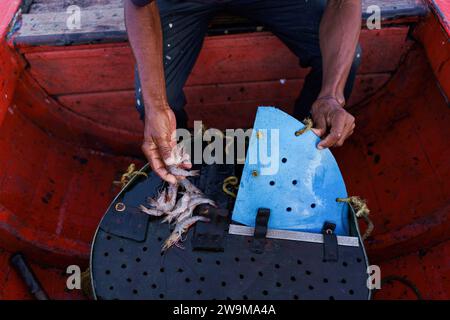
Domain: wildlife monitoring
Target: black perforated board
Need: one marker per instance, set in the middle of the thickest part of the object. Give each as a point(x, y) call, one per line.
point(123, 268)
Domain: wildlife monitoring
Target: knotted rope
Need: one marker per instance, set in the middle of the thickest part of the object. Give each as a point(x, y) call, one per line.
point(129, 174)
point(308, 126)
point(361, 211)
point(233, 182)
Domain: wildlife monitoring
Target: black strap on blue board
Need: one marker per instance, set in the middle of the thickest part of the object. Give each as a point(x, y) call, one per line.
point(259, 237)
point(330, 244)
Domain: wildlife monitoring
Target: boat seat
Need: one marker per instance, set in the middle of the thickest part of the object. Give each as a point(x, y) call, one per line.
point(44, 22)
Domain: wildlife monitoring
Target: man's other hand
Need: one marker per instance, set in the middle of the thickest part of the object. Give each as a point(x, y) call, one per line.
point(331, 122)
point(160, 141)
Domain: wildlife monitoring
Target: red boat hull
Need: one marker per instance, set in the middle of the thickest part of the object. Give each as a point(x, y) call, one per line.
point(68, 130)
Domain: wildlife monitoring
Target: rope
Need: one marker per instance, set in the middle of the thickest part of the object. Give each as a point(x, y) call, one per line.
point(308, 126)
point(362, 211)
point(129, 174)
point(86, 284)
point(230, 181)
point(404, 281)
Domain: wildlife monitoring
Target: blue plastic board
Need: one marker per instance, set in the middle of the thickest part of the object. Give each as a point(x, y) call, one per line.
point(290, 176)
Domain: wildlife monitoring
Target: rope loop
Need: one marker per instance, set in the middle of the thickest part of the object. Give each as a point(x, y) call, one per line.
point(361, 209)
point(308, 126)
point(129, 174)
point(233, 182)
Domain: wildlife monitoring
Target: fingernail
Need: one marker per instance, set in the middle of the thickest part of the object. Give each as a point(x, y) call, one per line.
point(320, 147)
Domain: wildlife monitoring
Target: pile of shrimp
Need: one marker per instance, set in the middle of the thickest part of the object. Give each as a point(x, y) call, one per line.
point(178, 213)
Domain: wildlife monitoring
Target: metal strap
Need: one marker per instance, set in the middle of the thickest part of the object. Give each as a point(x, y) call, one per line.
point(292, 235)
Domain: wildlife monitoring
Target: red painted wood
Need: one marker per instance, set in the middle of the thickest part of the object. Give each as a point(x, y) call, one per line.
point(428, 270)
point(437, 46)
point(69, 126)
point(7, 12)
point(54, 190)
point(53, 194)
point(208, 102)
point(9, 67)
point(224, 59)
point(397, 159)
point(442, 10)
point(52, 280)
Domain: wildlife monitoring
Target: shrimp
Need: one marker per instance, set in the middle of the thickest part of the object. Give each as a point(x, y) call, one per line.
point(192, 205)
point(178, 156)
point(183, 173)
point(180, 207)
point(190, 187)
point(180, 229)
point(151, 212)
point(159, 201)
point(166, 200)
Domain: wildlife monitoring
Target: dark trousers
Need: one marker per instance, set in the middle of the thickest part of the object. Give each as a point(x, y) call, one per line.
point(295, 22)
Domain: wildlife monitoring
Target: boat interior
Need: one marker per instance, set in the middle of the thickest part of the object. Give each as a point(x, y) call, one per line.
point(68, 129)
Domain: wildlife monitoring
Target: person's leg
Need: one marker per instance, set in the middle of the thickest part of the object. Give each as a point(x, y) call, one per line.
point(184, 26)
point(297, 24)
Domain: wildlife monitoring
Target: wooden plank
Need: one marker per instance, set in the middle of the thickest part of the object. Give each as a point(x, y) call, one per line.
point(224, 59)
point(116, 108)
point(43, 6)
point(104, 21)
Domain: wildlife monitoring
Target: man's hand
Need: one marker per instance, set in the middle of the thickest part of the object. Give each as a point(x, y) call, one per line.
point(160, 141)
point(329, 116)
